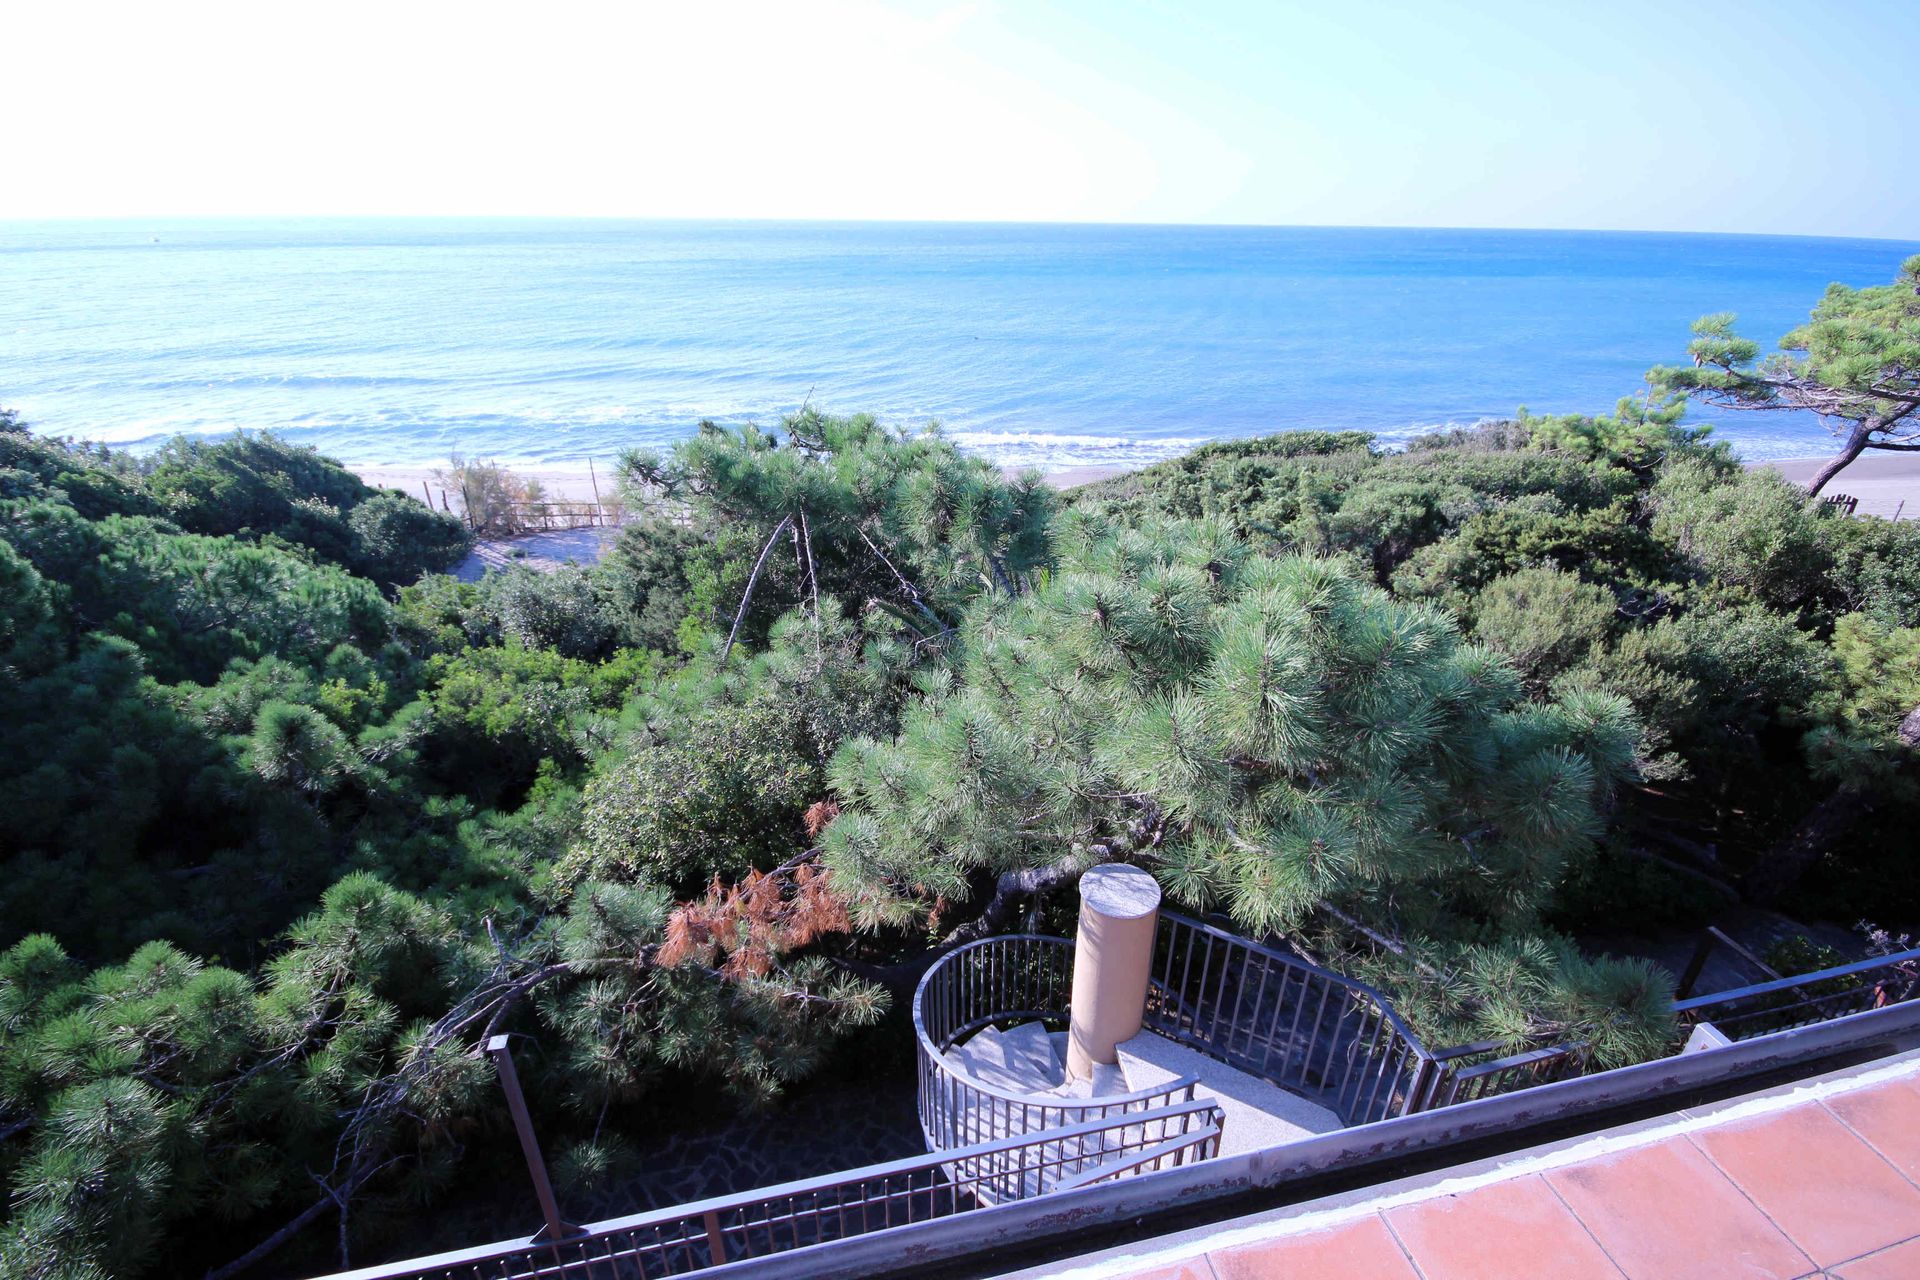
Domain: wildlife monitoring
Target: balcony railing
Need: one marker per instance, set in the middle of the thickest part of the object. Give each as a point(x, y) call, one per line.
point(1469, 1072)
point(1329, 1038)
point(1267, 1012)
point(819, 1211)
point(1307, 1029)
point(1807, 998)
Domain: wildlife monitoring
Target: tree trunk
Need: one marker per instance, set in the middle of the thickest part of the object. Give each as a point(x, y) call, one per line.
point(1014, 889)
point(1910, 729)
point(753, 580)
point(1811, 837)
point(1856, 442)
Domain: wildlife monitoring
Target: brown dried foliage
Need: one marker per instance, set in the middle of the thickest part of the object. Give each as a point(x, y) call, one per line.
point(819, 814)
point(746, 927)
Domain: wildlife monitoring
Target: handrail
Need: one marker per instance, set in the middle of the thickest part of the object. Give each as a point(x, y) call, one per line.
point(992, 1090)
point(1272, 953)
point(1522, 1058)
point(1105, 1099)
point(1105, 1172)
point(1468, 1050)
point(1049, 1233)
point(1331, 1038)
point(1797, 980)
point(1004, 978)
point(814, 1211)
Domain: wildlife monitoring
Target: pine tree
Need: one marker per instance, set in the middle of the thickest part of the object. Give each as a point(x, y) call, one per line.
point(1855, 363)
point(1268, 736)
point(869, 513)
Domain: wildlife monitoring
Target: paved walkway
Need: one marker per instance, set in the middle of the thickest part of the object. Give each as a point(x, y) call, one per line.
point(1819, 1180)
point(544, 552)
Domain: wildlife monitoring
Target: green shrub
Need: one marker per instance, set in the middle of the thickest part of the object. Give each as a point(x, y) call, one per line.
point(1875, 568)
point(253, 483)
point(1545, 620)
point(727, 798)
point(396, 539)
point(1751, 532)
point(648, 591)
point(563, 609)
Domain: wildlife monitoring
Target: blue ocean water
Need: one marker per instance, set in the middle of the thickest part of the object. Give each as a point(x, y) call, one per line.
point(403, 341)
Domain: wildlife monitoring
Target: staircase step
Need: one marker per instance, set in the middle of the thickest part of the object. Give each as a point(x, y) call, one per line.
point(1258, 1114)
point(1033, 1040)
point(1019, 1060)
point(1108, 1081)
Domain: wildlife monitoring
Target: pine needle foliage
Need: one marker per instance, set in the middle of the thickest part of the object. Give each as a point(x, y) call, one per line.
point(1267, 734)
point(154, 1093)
point(869, 512)
point(1524, 992)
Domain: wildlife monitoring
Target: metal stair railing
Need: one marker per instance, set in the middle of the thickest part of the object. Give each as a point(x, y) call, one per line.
point(1330, 1038)
point(1807, 998)
point(1020, 977)
point(817, 1212)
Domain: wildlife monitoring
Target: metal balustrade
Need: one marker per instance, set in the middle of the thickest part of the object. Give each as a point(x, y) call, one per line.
point(1273, 1015)
point(819, 1211)
point(1023, 977)
point(1333, 1040)
point(1468, 1072)
point(1807, 998)
point(1259, 1009)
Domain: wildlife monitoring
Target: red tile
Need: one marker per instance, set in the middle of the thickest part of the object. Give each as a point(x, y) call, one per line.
point(1665, 1211)
point(1361, 1251)
point(1828, 1190)
point(1194, 1269)
point(1902, 1262)
point(1513, 1229)
point(1888, 1116)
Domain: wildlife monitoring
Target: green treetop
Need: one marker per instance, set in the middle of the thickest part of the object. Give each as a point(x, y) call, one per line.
point(1856, 363)
point(1266, 734)
point(874, 515)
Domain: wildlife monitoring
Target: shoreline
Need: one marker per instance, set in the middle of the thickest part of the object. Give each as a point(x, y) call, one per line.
point(1882, 483)
point(579, 484)
point(1887, 485)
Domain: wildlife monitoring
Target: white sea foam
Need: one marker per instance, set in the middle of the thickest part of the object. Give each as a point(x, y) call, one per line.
point(1051, 347)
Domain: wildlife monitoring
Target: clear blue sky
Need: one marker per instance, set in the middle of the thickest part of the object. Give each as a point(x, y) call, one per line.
point(1710, 116)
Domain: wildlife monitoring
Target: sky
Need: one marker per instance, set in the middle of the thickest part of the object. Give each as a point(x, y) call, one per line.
point(1706, 116)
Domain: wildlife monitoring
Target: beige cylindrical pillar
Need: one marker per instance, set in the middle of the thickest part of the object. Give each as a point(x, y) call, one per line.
point(1112, 954)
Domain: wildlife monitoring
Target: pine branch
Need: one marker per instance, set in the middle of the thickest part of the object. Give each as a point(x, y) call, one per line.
point(1013, 890)
point(913, 593)
point(753, 579)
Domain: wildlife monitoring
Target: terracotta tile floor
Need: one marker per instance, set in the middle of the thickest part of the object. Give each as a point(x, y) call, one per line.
point(1824, 1184)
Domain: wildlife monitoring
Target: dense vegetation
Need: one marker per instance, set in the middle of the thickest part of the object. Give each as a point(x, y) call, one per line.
point(292, 822)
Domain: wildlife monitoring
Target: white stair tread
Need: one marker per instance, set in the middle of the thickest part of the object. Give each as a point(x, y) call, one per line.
point(1108, 1081)
point(1258, 1114)
point(1020, 1059)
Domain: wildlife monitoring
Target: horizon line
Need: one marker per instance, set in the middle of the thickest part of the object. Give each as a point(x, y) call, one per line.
point(11, 219)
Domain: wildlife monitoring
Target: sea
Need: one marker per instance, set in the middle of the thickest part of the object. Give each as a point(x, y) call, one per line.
point(550, 342)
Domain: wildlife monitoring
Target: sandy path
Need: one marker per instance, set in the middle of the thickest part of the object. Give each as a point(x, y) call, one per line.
point(544, 552)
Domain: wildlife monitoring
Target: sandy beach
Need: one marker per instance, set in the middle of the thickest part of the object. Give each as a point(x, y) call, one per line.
point(546, 552)
point(578, 484)
point(561, 483)
point(1882, 482)
point(1887, 484)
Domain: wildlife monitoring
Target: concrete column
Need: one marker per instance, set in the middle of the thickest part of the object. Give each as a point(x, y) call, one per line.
point(1112, 955)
